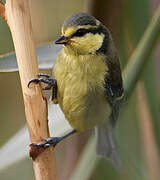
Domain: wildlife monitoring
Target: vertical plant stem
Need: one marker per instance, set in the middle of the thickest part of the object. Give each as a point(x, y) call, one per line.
point(19, 21)
point(147, 135)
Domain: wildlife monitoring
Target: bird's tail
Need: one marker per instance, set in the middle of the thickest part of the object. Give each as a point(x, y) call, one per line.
point(107, 146)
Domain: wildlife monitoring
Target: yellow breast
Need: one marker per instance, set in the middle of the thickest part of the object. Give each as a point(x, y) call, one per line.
point(81, 93)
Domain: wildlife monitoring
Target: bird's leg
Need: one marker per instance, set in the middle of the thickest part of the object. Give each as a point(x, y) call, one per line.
point(51, 83)
point(53, 141)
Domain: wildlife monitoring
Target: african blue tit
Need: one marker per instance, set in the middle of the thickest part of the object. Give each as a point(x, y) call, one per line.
point(87, 82)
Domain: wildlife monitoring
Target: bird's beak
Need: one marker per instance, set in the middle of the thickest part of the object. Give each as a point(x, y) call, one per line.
point(62, 40)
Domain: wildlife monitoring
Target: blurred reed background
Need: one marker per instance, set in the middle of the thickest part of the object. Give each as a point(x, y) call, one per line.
point(138, 128)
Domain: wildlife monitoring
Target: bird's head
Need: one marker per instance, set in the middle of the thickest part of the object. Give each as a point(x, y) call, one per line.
point(83, 34)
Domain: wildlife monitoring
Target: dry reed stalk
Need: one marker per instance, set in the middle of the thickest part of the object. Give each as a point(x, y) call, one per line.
point(17, 13)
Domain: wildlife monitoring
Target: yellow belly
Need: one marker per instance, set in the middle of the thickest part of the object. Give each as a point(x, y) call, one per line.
point(81, 94)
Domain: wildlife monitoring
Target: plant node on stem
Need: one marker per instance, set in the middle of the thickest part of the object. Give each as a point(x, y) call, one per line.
point(34, 151)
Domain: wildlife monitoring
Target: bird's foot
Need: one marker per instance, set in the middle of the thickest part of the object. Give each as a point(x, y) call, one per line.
point(51, 83)
point(53, 141)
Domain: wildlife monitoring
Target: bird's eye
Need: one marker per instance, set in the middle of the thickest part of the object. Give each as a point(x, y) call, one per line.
point(80, 32)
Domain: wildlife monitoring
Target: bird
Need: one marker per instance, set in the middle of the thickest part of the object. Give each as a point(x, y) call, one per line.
point(87, 82)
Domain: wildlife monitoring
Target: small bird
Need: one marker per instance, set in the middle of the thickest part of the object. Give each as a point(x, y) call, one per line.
point(87, 82)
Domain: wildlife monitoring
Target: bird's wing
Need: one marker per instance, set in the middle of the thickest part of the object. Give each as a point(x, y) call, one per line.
point(114, 86)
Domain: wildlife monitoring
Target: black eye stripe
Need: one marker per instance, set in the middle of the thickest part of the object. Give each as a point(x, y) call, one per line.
point(82, 32)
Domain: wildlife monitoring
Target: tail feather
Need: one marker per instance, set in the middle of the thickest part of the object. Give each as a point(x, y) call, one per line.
point(107, 146)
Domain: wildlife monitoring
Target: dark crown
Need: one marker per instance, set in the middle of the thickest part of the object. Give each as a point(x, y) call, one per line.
point(80, 19)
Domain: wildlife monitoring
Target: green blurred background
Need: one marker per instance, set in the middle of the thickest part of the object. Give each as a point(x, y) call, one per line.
point(127, 21)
